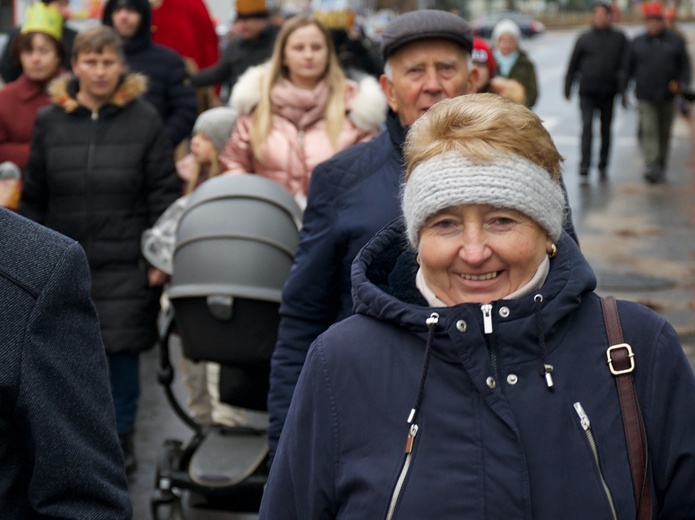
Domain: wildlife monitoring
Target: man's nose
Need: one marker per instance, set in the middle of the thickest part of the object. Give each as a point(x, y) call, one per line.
point(432, 81)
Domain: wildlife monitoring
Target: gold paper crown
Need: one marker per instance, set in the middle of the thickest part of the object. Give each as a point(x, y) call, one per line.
point(44, 19)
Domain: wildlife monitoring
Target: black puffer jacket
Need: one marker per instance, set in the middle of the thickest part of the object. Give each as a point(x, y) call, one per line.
point(102, 178)
point(653, 62)
point(169, 87)
point(597, 59)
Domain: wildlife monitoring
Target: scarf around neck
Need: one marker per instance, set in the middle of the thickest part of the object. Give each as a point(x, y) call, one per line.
point(299, 106)
point(505, 63)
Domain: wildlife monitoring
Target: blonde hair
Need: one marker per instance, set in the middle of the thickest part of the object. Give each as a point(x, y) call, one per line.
point(480, 127)
point(214, 170)
point(334, 111)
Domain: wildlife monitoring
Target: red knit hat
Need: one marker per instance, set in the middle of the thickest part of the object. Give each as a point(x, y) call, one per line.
point(482, 53)
point(653, 10)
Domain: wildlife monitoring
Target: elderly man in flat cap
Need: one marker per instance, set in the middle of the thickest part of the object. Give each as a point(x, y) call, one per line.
point(354, 194)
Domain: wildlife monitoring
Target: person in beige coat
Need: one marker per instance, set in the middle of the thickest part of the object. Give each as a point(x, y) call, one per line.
point(298, 109)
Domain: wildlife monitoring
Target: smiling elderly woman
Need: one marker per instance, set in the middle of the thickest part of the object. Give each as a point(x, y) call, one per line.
point(474, 385)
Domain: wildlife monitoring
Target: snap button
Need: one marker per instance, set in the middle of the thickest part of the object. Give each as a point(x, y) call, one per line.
point(504, 312)
point(491, 382)
point(512, 379)
point(461, 326)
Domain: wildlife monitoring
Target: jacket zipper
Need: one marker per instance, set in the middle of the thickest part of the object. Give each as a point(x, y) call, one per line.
point(586, 425)
point(493, 349)
point(404, 471)
point(91, 151)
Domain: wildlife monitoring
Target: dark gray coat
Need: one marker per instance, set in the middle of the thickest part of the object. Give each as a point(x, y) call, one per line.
point(102, 179)
point(59, 450)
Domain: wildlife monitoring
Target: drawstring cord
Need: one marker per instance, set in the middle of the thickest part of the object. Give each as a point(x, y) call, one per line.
point(412, 431)
point(546, 369)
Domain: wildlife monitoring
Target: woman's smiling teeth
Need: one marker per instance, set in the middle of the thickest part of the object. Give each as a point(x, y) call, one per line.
point(475, 278)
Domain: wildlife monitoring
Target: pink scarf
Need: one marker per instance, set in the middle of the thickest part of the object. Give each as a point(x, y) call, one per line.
point(299, 106)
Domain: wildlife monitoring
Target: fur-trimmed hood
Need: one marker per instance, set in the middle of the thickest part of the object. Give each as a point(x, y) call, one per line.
point(63, 91)
point(364, 101)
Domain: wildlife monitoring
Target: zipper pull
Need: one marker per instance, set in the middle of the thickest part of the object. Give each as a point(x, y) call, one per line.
point(583, 418)
point(95, 116)
point(548, 371)
point(487, 317)
point(411, 438)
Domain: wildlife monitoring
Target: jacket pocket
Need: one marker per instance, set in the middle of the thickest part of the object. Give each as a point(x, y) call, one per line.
point(586, 426)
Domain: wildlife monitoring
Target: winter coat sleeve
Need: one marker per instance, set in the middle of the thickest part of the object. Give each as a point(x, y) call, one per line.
point(18, 153)
point(64, 407)
point(163, 185)
point(683, 64)
point(310, 298)
point(628, 69)
point(237, 156)
point(302, 479)
point(34, 202)
point(669, 407)
point(525, 73)
point(182, 103)
point(573, 67)
point(218, 73)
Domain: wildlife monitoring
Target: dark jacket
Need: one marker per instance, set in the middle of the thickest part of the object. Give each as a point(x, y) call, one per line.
point(524, 72)
point(351, 196)
point(654, 61)
point(10, 69)
point(597, 59)
point(59, 450)
point(169, 87)
point(237, 56)
point(493, 440)
point(102, 179)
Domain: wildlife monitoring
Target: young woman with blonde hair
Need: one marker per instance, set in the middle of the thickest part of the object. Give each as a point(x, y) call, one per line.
point(298, 109)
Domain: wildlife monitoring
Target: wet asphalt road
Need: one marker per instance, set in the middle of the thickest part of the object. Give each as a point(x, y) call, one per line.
point(639, 238)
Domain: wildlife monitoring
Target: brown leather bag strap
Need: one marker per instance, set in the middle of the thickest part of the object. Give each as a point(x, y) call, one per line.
point(621, 362)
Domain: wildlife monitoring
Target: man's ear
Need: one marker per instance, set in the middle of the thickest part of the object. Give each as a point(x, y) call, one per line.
point(387, 87)
point(472, 80)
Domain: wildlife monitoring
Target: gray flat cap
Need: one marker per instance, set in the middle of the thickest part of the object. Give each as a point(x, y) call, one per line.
point(423, 24)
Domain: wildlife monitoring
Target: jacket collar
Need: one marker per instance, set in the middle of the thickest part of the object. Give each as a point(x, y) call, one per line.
point(63, 91)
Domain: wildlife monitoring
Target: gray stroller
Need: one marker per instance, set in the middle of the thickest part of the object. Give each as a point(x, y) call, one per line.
point(234, 246)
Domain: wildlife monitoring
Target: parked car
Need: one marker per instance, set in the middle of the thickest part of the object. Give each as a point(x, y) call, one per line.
point(484, 24)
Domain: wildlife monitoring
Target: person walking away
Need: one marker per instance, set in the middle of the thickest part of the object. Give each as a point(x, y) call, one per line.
point(251, 45)
point(299, 109)
point(169, 87)
point(101, 171)
point(10, 66)
point(40, 52)
point(512, 62)
point(597, 62)
point(654, 60)
point(352, 195)
point(472, 380)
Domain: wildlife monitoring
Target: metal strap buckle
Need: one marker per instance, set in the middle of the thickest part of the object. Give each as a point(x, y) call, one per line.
point(630, 355)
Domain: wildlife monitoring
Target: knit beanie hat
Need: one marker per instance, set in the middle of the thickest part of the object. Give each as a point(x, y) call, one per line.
point(510, 181)
point(216, 124)
point(482, 53)
point(506, 26)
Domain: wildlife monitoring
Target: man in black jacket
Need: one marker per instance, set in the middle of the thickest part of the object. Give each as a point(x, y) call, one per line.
point(252, 45)
point(101, 171)
point(597, 61)
point(658, 62)
point(169, 88)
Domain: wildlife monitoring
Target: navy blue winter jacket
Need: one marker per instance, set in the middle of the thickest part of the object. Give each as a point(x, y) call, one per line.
point(493, 440)
point(351, 197)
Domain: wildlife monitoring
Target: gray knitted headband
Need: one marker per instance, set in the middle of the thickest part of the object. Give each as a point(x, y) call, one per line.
point(510, 181)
